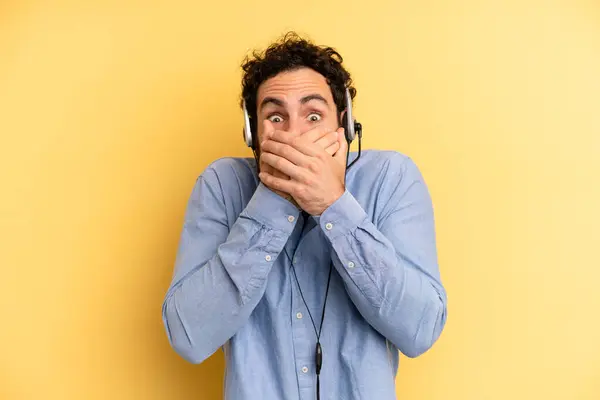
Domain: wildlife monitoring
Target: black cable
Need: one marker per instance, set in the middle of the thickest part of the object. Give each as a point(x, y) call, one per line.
point(359, 150)
point(319, 349)
point(325, 301)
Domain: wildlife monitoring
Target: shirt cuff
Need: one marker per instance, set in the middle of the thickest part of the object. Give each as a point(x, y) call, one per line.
point(342, 217)
point(272, 210)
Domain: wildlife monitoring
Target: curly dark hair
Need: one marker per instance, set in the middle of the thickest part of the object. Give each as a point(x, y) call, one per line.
point(292, 52)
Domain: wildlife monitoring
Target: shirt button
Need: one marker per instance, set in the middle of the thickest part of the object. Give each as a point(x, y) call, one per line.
point(295, 260)
point(350, 264)
point(291, 218)
point(328, 226)
point(305, 369)
point(299, 315)
point(268, 257)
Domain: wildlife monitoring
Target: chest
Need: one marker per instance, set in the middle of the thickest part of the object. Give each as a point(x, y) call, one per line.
point(301, 270)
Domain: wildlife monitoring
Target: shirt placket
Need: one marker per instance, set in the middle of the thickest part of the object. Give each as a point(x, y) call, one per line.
point(303, 341)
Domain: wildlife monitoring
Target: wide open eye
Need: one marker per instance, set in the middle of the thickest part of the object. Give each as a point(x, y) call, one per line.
point(275, 118)
point(314, 117)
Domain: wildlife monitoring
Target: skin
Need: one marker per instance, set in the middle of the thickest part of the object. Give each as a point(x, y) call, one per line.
point(302, 146)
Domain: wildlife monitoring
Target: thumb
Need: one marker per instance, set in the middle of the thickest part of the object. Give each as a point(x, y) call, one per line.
point(340, 155)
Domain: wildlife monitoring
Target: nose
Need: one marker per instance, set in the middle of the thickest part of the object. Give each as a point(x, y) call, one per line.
point(296, 125)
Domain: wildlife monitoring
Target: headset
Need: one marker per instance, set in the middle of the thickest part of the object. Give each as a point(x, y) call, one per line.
point(352, 128)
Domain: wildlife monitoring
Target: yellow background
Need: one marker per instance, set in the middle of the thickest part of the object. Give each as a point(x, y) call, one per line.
point(110, 109)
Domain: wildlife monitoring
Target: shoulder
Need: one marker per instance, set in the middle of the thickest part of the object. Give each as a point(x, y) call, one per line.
point(226, 171)
point(391, 164)
point(383, 180)
point(231, 181)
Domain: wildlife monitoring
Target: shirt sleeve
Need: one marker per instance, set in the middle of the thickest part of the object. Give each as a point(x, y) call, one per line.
point(220, 272)
point(390, 271)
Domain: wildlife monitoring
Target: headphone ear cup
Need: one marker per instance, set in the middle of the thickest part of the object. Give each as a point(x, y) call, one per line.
point(346, 127)
point(358, 129)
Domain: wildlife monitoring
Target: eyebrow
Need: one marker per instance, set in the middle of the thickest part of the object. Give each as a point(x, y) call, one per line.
point(315, 96)
point(281, 103)
point(271, 100)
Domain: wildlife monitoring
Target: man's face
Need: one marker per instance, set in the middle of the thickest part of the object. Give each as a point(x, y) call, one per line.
point(296, 101)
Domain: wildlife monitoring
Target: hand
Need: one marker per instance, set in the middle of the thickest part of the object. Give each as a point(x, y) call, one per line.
point(318, 136)
point(316, 179)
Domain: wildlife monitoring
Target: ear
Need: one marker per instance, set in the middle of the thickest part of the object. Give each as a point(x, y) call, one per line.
point(342, 116)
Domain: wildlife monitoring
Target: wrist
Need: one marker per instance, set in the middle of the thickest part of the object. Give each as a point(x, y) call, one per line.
point(339, 193)
point(289, 198)
point(333, 200)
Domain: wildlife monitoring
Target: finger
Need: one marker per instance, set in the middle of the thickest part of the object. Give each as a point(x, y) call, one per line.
point(299, 142)
point(317, 133)
point(333, 148)
point(276, 174)
point(327, 140)
point(282, 136)
point(286, 151)
point(340, 156)
point(275, 183)
point(307, 148)
point(283, 165)
point(279, 174)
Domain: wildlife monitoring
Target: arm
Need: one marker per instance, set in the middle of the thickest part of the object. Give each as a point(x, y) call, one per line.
point(220, 273)
point(390, 270)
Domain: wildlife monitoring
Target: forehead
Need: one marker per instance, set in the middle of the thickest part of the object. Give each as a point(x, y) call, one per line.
point(293, 85)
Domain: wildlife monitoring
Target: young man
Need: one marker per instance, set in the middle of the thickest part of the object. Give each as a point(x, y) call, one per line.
point(310, 275)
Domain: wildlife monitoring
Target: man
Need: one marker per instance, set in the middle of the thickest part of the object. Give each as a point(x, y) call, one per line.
point(310, 275)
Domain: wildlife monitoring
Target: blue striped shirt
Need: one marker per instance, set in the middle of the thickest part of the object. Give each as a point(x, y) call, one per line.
point(233, 286)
